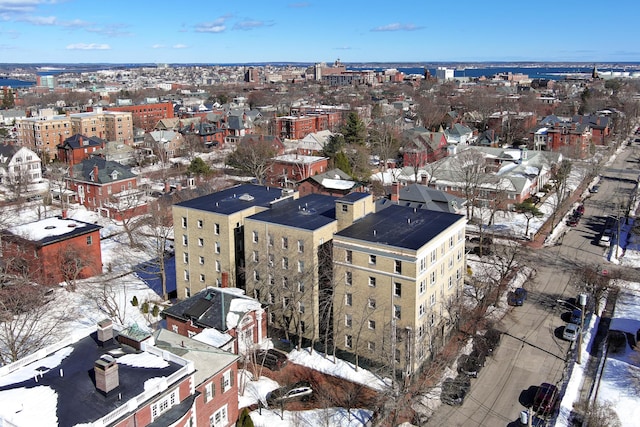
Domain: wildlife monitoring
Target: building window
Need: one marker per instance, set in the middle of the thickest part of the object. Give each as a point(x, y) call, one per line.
point(163, 405)
point(201, 260)
point(300, 308)
point(397, 289)
point(209, 391)
point(450, 242)
point(217, 266)
point(285, 302)
point(372, 324)
point(216, 228)
point(89, 240)
point(397, 266)
point(200, 241)
point(397, 312)
point(216, 247)
point(423, 264)
point(423, 286)
point(348, 341)
point(348, 299)
point(271, 260)
point(434, 256)
point(300, 266)
point(432, 278)
point(285, 263)
point(432, 299)
point(256, 275)
point(450, 284)
point(226, 382)
point(200, 223)
point(345, 208)
point(285, 243)
point(255, 236)
point(202, 277)
point(271, 298)
point(185, 241)
point(348, 321)
point(187, 292)
point(270, 237)
point(421, 310)
point(371, 303)
point(185, 257)
point(219, 418)
point(300, 286)
point(184, 222)
point(372, 281)
point(348, 256)
point(372, 259)
point(348, 278)
point(256, 257)
point(300, 246)
point(285, 282)
point(371, 346)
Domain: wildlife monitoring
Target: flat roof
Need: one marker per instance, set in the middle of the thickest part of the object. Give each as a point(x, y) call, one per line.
point(401, 227)
point(234, 199)
point(354, 197)
point(50, 230)
point(309, 213)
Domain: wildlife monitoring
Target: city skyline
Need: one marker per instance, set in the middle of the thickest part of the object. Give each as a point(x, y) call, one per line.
point(73, 31)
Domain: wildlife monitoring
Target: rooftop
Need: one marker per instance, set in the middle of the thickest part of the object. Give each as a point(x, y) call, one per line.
point(50, 230)
point(309, 213)
point(235, 199)
point(401, 227)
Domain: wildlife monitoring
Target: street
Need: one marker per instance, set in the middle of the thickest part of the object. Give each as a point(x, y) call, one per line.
point(532, 350)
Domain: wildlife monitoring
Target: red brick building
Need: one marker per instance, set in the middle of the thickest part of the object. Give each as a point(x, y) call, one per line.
point(146, 116)
point(53, 250)
point(297, 127)
point(334, 182)
point(288, 169)
point(221, 318)
point(77, 148)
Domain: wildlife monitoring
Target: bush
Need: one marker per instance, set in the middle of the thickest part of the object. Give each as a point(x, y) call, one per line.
point(244, 420)
point(134, 301)
point(617, 341)
point(155, 311)
point(145, 307)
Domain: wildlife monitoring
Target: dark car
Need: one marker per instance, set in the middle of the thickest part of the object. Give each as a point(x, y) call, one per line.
point(573, 221)
point(271, 359)
point(454, 390)
point(470, 364)
point(576, 316)
point(298, 391)
point(580, 209)
point(517, 297)
point(487, 343)
point(594, 189)
point(546, 399)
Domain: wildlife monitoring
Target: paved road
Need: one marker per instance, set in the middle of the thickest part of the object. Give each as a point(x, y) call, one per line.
point(532, 350)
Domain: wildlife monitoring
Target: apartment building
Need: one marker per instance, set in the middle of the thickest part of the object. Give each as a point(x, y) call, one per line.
point(395, 273)
point(147, 115)
point(209, 236)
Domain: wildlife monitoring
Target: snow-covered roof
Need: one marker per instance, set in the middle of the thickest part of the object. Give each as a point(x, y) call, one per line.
point(51, 229)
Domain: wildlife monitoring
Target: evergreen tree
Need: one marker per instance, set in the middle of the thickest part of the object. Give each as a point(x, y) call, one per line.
point(342, 162)
point(198, 167)
point(354, 130)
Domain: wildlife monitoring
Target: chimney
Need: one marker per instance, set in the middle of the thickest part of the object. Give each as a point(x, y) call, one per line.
point(64, 214)
point(105, 331)
point(424, 180)
point(167, 187)
point(80, 142)
point(225, 279)
point(395, 191)
point(106, 372)
point(95, 173)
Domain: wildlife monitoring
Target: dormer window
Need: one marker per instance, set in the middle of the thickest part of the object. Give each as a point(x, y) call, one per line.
point(114, 175)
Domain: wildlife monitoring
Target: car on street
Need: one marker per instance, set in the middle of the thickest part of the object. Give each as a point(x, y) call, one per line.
point(580, 209)
point(470, 364)
point(576, 316)
point(454, 390)
point(594, 189)
point(545, 400)
point(571, 331)
point(517, 297)
point(298, 391)
point(573, 221)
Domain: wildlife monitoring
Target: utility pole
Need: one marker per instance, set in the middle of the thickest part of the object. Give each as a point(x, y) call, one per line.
point(583, 302)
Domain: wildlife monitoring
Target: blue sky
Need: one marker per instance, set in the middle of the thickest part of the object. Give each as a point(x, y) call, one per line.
point(212, 31)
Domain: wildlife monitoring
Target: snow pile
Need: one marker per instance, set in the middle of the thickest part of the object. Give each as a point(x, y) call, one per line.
point(143, 360)
point(29, 406)
point(338, 417)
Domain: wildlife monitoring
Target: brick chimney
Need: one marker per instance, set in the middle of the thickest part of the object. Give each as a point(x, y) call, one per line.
point(95, 173)
point(80, 142)
point(225, 279)
point(105, 331)
point(395, 191)
point(106, 372)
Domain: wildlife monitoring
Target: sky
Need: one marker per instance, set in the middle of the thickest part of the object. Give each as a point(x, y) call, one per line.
point(216, 32)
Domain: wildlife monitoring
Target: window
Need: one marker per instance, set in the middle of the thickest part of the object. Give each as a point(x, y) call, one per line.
point(187, 292)
point(348, 341)
point(270, 237)
point(201, 260)
point(163, 405)
point(397, 266)
point(209, 391)
point(432, 277)
point(450, 282)
point(219, 418)
point(371, 346)
point(371, 303)
point(372, 324)
point(271, 298)
point(185, 241)
point(345, 208)
point(174, 328)
point(397, 289)
point(372, 281)
point(348, 256)
point(217, 266)
point(216, 228)
point(185, 257)
point(421, 310)
point(300, 266)
point(285, 243)
point(271, 259)
point(397, 312)
point(285, 282)
point(200, 222)
point(423, 264)
point(423, 286)
point(285, 302)
point(285, 263)
point(450, 242)
point(255, 236)
point(184, 222)
point(202, 277)
point(348, 299)
point(348, 321)
point(372, 259)
point(256, 257)
point(300, 286)
point(432, 299)
point(434, 256)
point(226, 382)
point(348, 278)
point(200, 241)
point(89, 240)
point(256, 275)
point(216, 247)
point(300, 308)
point(300, 246)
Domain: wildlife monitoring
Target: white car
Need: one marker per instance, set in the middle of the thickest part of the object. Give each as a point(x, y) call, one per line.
point(571, 332)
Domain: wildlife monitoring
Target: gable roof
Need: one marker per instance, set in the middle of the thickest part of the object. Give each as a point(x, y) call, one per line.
point(78, 141)
point(7, 151)
point(422, 197)
point(84, 171)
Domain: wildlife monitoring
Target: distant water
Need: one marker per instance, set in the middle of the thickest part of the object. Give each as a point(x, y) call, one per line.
point(15, 83)
point(550, 73)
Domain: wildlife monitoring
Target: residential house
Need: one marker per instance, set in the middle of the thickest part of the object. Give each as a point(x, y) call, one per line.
point(165, 144)
point(288, 169)
point(560, 135)
point(395, 273)
point(78, 147)
point(459, 134)
point(599, 124)
point(420, 196)
point(122, 378)
point(313, 144)
point(19, 166)
point(117, 152)
point(423, 146)
point(107, 187)
point(222, 317)
point(53, 250)
point(333, 182)
point(209, 235)
point(275, 143)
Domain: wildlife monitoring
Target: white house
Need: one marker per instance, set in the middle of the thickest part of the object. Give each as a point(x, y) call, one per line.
point(19, 163)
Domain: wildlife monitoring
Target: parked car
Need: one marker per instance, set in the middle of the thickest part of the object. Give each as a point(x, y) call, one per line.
point(299, 391)
point(271, 359)
point(546, 399)
point(594, 189)
point(571, 331)
point(517, 297)
point(470, 364)
point(454, 390)
point(580, 209)
point(573, 221)
point(576, 316)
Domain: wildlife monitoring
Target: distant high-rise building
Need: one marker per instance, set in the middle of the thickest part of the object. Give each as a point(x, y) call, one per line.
point(46, 81)
point(444, 74)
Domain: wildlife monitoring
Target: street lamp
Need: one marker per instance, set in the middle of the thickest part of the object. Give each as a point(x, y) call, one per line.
point(582, 300)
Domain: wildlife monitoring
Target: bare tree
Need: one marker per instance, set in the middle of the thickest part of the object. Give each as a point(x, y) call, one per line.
point(470, 174)
point(254, 158)
point(124, 208)
point(560, 174)
point(72, 262)
point(598, 414)
point(384, 142)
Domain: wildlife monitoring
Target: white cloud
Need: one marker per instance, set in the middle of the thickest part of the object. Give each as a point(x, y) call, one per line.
point(397, 27)
point(180, 46)
point(251, 24)
point(158, 46)
point(21, 6)
point(41, 20)
point(217, 26)
point(88, 46)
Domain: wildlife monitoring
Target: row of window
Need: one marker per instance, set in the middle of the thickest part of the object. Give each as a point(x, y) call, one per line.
point(200, 224)
point(284, 241)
